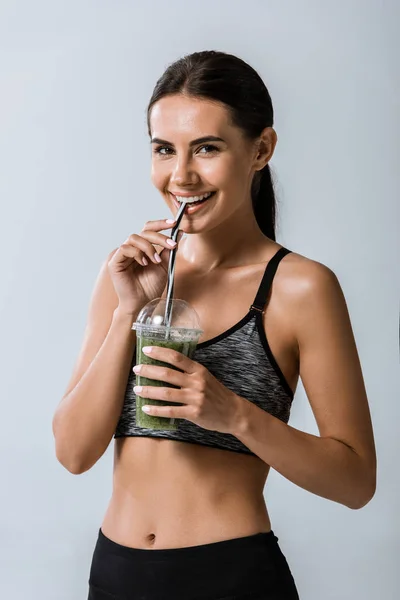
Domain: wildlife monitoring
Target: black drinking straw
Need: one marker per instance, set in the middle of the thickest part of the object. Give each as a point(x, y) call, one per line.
point(171, 267)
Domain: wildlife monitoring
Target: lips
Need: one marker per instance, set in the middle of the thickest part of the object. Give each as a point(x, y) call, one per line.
point(199, 195)
point(192, 206)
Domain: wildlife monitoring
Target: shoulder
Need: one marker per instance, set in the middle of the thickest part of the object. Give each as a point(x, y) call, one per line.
point(301, 278)
point(311, 294)
point(313, 297)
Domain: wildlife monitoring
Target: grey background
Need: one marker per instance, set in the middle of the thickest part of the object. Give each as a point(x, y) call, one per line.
point(75, 79)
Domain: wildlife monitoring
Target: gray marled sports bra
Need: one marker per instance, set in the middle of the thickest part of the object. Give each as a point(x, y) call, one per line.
point(242, 360)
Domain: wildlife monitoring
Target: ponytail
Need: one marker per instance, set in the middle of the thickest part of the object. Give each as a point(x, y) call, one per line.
point(264, 202)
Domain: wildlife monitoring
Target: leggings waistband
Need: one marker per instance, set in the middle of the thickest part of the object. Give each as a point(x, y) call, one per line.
point(244, 568)
point(226, 548)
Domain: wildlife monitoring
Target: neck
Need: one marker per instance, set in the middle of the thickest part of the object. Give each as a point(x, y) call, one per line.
point(235, 242)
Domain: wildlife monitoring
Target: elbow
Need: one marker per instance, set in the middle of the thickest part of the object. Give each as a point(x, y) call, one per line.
point(74, 470)
point(364, 495)
point(362, 502)
point(72, 466)
point(75, 463)
point(77, 458)
point(71, 461)
point(64, 458)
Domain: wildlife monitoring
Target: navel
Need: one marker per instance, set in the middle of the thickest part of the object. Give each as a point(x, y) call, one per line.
point(151, 538)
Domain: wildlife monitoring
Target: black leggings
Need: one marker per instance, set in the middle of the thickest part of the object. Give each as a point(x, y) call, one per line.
point(244, 568)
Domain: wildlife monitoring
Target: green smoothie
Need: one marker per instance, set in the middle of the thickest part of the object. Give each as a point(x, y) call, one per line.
point(185, 346)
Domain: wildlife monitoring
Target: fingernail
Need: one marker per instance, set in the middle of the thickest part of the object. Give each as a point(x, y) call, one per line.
point(147, 349)
point(137, 389)
point(137, 368)
point(170, 221)
point(171, 242)
point(144, 261)
point(146, 409)
point(157, 257)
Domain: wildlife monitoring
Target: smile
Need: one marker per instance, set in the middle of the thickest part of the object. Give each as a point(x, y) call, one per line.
point(192, 199)
point(194, 203)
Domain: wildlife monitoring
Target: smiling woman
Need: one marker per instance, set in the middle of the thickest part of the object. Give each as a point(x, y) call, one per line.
point(187, 518)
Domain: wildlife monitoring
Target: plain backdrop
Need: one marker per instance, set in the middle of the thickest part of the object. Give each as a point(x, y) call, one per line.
point(75, 79)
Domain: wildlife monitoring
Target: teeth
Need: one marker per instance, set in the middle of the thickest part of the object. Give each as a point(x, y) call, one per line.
point(193, 198)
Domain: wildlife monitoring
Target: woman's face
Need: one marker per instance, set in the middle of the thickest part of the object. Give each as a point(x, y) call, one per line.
point(186, 161)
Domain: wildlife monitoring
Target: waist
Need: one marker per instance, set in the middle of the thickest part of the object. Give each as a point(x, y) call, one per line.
point(169, 495)
point(165, 523)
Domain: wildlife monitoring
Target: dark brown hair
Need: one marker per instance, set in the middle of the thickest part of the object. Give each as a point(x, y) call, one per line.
point(228, 79)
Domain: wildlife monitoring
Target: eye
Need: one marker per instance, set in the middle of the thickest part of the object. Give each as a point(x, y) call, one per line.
point(210, 148)
point(158, 150)
point(167, 150)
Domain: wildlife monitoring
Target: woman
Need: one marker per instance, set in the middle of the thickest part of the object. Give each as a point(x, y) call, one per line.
point(187, 518)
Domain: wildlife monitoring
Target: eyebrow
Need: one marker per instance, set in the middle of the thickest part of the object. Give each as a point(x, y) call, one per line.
point(202, 140)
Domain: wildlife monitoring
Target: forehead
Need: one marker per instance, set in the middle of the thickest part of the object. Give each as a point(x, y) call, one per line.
point(180, 115)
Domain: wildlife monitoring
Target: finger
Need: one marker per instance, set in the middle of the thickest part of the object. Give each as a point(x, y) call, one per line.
point(165, 256)
point(137, 241)
point(127, 250)
point(159, 239)
point(161, 374)
point(171, 412)
point(172, 357)
point(159, 225)
point(166, 394)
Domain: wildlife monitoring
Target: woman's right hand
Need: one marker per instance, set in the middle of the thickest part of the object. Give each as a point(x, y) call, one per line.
point(135, 283)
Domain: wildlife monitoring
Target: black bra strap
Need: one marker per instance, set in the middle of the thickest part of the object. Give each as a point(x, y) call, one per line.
point(270, 270)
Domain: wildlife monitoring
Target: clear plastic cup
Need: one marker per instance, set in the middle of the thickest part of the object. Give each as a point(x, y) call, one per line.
point(182, 335)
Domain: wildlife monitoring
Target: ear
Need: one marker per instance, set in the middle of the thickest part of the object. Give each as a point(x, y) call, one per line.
point(265, 147)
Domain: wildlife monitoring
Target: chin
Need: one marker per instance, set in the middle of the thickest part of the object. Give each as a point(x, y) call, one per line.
point(190, 227)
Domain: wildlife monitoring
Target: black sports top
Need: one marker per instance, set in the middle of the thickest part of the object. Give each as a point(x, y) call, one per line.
point(242, 360)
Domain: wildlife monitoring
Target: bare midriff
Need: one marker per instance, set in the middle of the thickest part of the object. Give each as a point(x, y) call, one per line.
point(169, 494)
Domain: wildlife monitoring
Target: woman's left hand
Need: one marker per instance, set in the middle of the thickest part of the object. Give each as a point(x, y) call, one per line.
point(207, 402)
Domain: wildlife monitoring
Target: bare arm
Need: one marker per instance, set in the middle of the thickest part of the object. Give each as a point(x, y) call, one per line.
point(86, 418)
point(340, 464)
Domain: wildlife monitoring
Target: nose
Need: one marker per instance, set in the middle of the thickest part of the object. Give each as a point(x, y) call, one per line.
point(183, 173)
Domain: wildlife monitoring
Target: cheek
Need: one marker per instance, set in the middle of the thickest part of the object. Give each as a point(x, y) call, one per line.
point(239, 173)
point(158, 175)
point(231, 176)
point(218, 172)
